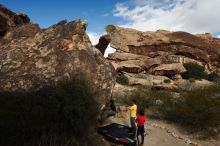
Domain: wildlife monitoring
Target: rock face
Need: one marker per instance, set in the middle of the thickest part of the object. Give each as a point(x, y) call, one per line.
point(31, 58)
point(9, 20)
point(161, 52)
point(169, 69)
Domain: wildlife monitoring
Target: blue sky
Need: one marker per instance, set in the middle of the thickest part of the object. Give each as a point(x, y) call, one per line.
point(49, 12)
point(194, 16)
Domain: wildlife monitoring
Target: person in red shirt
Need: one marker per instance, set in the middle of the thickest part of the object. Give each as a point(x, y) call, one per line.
point(140, 124)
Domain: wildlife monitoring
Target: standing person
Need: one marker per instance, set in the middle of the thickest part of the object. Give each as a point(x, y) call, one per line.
point(140, 124)
point(133, 113)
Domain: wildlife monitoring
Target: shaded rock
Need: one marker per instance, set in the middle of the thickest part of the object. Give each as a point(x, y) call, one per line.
point(103, 43)
point(176, 77)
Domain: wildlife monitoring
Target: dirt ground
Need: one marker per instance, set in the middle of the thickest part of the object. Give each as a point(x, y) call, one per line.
point(158, 137)
point(161, 133)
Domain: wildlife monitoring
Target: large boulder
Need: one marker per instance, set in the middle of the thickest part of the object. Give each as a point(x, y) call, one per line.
point(31, 58)
point(135, 47)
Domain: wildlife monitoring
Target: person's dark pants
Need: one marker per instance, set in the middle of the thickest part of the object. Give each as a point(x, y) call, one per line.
point(133, 125)
point(140, 131)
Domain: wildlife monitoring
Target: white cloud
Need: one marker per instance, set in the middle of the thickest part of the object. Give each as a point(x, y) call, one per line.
point(218, 36)
point(195, 16)
point(94, 38)
point(109, 50)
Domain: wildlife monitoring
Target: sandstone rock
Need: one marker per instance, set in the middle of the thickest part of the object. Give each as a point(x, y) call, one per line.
point(165, 86)
point(169, 69)
point(9, 20)
point(149, 79)
point(132, 63)
point(138, 81)
point(103, 43)
point(132, 66)
point(118, 56)
point(170, 47)
point(31, 58)
point(158, 80)
point(176, 77)
point(188, 85)
point(207, 36)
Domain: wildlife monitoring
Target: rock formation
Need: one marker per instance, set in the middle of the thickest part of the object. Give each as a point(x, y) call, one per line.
point(31, 57)
point(9, 20)
point(161, 52)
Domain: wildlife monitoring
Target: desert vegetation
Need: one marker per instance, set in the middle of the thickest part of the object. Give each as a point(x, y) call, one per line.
point(196, 71)
point(122, 79)
point(197, 111)
point(167, 81)
point(63, 114)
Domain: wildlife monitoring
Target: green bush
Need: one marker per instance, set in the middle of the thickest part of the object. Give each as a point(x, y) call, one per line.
point(141, 97)
point(61, 114)
point(191, 80)
point(194, 71)
point(213, 77)
point(122, 79)
point(197, 110)
point(146, 98)
point(167, 81)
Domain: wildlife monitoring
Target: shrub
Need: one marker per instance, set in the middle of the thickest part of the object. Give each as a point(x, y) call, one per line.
point(146, 98)
point(194, 71)
point(122, 79)
point(61, 114)
point(213, 77)
point(141, 97)
point(191, 80)
point(167, 81)
point(197, 110)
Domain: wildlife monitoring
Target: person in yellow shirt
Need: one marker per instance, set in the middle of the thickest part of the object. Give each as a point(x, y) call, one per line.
point(133, 113)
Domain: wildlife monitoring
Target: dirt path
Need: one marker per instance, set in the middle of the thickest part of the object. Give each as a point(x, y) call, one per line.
point(180, 135)
point(160, 133)
point(155, 136)
point(158, 137)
